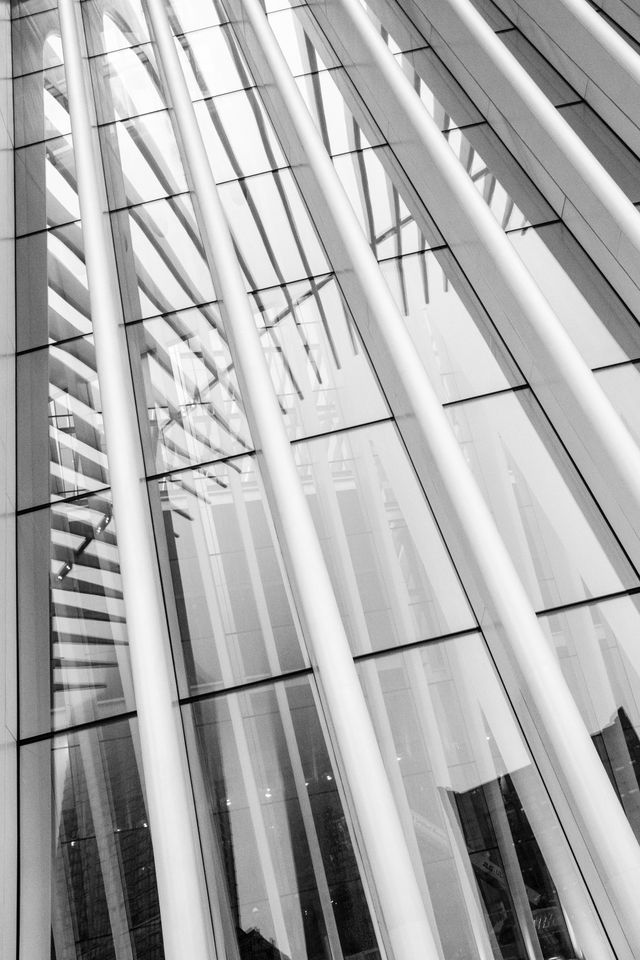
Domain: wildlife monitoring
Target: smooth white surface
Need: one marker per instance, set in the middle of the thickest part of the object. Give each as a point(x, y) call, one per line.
point(179, 873)
point(598, 809)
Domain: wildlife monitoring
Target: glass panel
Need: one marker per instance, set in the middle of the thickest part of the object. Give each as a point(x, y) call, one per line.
point(441, 94)
point(236, 617)
point(622, 387)
point(22, 8)
point(507, 190)
point(334, 104)
point(59, 409)
point(557, 538)
point(35, 43)
point(188, 15)
point(616, 158)
point(161, 258)
point(597, 321)
point(212, 62)
point(45, 183)
point(51, 291)
point(279, 829)
point(369, 178)
point(113, 24)
point(238, 135)
point(302, 41)
point(142, 160)
point(126, 83)
point(40, 106)
point(540, 70)
point(87, 853)
point(396, 29)
point(392, 576)
point(597, 646)
point(74, 661)
point(484, 837)
point(191, 395)
point(459, 347)
point(273, 233)
point(318, 366)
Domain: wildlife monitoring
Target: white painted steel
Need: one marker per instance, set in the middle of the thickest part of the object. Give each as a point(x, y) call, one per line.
point(395, 882)
point(186, 924)
point(609, 833)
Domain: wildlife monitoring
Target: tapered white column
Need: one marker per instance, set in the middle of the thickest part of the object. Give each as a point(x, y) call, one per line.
point(610, 836)
point(185, 915)
point(395, 883)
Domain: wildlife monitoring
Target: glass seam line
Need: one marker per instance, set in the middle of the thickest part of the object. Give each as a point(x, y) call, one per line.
point(179, 869)
point(400, 900)
point(548, 687)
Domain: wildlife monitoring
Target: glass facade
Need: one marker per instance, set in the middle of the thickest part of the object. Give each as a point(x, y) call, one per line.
point(309, 588)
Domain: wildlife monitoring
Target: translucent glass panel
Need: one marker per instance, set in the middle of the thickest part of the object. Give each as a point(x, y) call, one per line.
point(235, 615)
point(59, 409)
point(52, 296)
point(40, 106)
point(45, 185)
point(597, 646)
point(82, 801)
point(551, 526)
point(212, 62)
point(458, 345)
point(488, 851)
point(595, 318)
point(36, 43)
point(616, 158)
point(342, 121)
point(74, 664)
point(126, 83)
point(622, 387)
point(113, 24)
point(279, 833)
point(301, 41)
point(512, 198)
point(161, 258)
point(392, 576)
point(441, 94)
point(369, 178)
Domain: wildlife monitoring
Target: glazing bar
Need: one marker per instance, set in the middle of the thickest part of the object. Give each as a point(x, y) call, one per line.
point(186, 924)
point(591, 794)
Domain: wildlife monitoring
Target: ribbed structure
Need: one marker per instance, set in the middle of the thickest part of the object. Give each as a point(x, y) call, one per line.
point(321, 580)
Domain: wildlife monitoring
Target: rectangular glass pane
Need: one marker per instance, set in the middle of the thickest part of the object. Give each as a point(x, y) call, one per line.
point(460, 349)
point(557, 538)
point(45, 185)
point(212, 62)
point(36, 43)
point(52, 296)
point(490, 856)
point(616, 158)
point(110, 26)
point(342, 120)
point(188, 15)
point(87, 870)
point(234, 610)
point(126, 83)
point(59, 409)
point(441, 94)
point(290, 882)
point(301, 41)
point(74, 662)
point(161, 259)
point(40, 107)
point(392, 575)
point(602, 328)
point(622, 387)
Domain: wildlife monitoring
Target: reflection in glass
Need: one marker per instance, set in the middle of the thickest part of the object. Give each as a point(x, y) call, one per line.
point(87, 857)
point(74, 662)
point(191, 394)
point(161, 258)
point(40, 106)
point(506, 189)
point(273, 233)
point(126, 83)
point(45, 184)
point(369, 178)
point(595, 318)
point(488, 851)
point(142, 161)
point(52, 296)
point(597, 646)
point(36, 43)
point(59, 409)
point(558, 541)
point(234, 610)
point(280, 833)
point(393, 578)
point(460, 349)
point(113, 24)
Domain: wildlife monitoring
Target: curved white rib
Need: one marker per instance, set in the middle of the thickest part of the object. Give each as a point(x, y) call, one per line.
point(398, 892)
point(185, 916)
point(589, 786)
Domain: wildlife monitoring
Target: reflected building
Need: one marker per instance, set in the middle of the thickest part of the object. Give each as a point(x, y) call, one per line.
point(320, 505)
